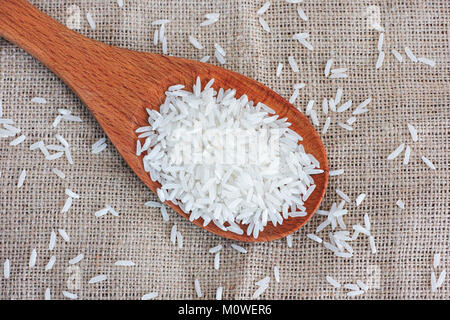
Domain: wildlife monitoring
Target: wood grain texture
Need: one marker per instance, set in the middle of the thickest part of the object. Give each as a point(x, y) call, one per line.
point(118, 84)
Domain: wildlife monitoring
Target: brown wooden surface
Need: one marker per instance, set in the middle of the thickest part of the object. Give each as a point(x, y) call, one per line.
point(118, 84)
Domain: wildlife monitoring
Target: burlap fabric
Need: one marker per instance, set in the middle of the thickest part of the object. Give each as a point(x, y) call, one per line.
point(402, 93)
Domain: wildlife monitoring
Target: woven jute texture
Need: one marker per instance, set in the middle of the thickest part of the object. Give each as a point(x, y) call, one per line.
point(401, 93)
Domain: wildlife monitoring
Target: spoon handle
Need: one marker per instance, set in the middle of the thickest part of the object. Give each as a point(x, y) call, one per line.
point(53, 44)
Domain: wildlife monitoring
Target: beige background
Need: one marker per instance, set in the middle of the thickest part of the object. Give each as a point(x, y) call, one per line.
point(402, 93)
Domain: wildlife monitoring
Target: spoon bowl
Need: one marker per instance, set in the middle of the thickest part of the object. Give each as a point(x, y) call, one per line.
point(117, 85)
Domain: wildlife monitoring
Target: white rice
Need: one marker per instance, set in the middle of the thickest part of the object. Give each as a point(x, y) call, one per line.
point(219, 293)
point(149, 296)
point(413, 132)
point(217, 261)
point(313, 237)
point(215, 249)
point(433, 282)
point(153, 204)
point(380, 60)
point(67, 205)
point(205, 59)
point(289, 240)
point(350, 121)
point(238, 248)
point(72, 194)
point(72, 118)
point(351, 286)
point(306, 44)
point(263, 9)
point(294, 96)
point(76, 259)
point(279, 69)
point(400, 204)
point(345, 106)
point(47, 295)
point(264, 24)
point(427, 61)
point(198, 290)
point(309, 107)
point(362, 285)
point(219, 57)
point(325, 106)
point(90, 21)
point(372, 244)
point(396, 152)
point(6, 269)
point(302, 14)
point(120, 3)
point(362, 107)
point(293, 64)
point(50, 263)
point(179, 240)
point(208, 22)
point(339, 70)
point(59, 173)
point(155, 37)
point(397, 55)
point(70, 295)
point(336, 172)
point(160, 22)
point(410, 54)
point(173, 234)
point(99, 149)
point(164, 43)
point(18, 140)
point(52, 242)
point(407, 155)
point(99, 278)
point(314, 118)
point(64, 235)
point(195, 43)
point(299, 86)
point(22, 176)
point(164, 213)
point(326, 126)
point(360, 199)
point(101, 212)
point(355, 293)
point(220, 49)
point(276, 273)
point(361, 229)
point(124, 263)
point(441, 278)
point(32, 261)
point(98, 143)
point(436, 260)
point(338, 76)
point(112, 210)
point(263, 282)
point(39, 100)
point(428, 163)
point(338, 97)
point(343, 195)
point(367, 223)
point(380, 42)
point(234, 208)
point(259, 291)
point(54, 156)
point(333, 282)
point(345, 126)
point(328, 67)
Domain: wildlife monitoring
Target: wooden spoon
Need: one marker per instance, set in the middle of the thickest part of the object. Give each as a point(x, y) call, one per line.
point(118, 84)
